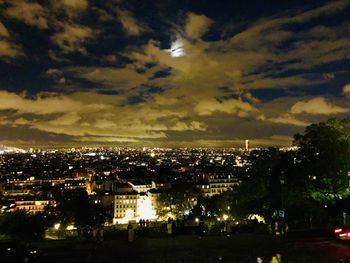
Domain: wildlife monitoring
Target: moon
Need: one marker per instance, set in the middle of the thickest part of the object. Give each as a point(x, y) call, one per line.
point(177, 49)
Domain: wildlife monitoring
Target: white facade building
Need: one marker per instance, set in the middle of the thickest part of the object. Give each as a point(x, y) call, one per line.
point(132, 207)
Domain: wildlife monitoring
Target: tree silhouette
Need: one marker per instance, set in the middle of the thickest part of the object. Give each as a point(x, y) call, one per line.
point(324, 157)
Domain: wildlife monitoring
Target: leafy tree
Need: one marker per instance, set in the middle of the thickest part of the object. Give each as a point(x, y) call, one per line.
point(260, 191)
point(5, 203)
point(74, 207)
point(21, 225)
point(216, 205)
point(179, 198)
point(299, 182)
point(324, 157)
point(272, 183)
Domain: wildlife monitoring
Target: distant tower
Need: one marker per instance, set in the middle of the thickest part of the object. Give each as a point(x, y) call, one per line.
point(247, 145)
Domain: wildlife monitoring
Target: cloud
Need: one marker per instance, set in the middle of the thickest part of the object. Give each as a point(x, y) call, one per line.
point(187, 71)
point(236, 61)
point(3, 31)
point(289, 120)
point(120, 79)
point(206, 82)
point(46, 105)
point(107, 139)
point(327, 9)
point(204, 66)
point(56, 75)
point(235, 107)
point(197, 25)
point(263, 82)
point(273, 140)
point(8, 49)
point(32, 14)
point(91, 114)
point(328, 76)
point(20, 121)
point(346, 89)
point(311, 53)
point(192, 126)
point(317, 106)
point(307, 48)
point(131, 26)
point(74, 6)
point(54, 72)
point(71, 38)
point(69, 118)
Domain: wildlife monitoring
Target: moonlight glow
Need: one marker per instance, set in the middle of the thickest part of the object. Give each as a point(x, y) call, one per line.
point(177, 49)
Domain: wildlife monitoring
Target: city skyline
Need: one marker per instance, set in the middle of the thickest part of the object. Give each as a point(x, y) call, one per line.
point(170, 73)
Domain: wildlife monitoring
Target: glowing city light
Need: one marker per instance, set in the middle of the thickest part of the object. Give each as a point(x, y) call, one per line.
point(70, 227)
point(145, 209)
point(260, 218)
point(187, 212)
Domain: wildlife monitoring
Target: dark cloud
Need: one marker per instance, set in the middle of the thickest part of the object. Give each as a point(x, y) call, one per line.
point(170, 73)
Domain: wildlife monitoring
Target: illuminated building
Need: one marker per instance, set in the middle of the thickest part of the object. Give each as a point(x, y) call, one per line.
point(74, 184)
point(217, 184)
point(220, 183)
point(125, 207)
point(32, 206)
point(158, 184)
point(141, 187)
point(247, 145)
point(132, 207)
point(205, 189)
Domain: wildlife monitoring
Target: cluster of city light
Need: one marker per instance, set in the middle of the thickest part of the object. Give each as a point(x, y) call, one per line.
point(260, 218)
point(223, 218)
point(57, 226)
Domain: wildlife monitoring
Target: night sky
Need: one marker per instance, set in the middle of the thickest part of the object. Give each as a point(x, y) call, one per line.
point(178, 73)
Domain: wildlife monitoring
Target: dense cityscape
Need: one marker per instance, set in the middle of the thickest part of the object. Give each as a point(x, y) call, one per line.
point(93, 193)
point(29, 178)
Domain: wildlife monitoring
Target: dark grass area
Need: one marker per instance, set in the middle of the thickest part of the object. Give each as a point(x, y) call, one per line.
point(191, 248)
